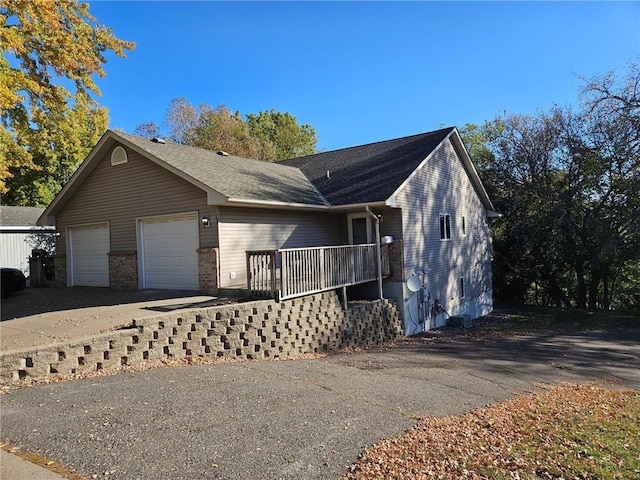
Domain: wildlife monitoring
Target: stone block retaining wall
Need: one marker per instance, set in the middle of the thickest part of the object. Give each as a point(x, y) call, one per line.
point(253, 330)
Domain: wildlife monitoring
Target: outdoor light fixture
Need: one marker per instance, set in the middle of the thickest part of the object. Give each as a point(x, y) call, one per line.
point(206, 223)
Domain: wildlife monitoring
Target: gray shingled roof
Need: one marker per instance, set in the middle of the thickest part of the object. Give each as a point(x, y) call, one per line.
point(367, 173)
point(19, 216)
point(234, 177)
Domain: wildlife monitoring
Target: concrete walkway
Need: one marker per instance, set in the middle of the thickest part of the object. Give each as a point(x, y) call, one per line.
point(301, 419)
point(12, 467)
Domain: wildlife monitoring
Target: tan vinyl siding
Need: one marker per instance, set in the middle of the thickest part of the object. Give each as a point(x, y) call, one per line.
point(242, 229)
point(139, 188)
point(443, 186)
point(391, 223)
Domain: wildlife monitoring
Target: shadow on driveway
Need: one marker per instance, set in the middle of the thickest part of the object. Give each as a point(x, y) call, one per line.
point(37, 301)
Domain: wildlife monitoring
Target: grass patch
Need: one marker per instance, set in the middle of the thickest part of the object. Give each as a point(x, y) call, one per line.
point(568, 431)
point(531, 319)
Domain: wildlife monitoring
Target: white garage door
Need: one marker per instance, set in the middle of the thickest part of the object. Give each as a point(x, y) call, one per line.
point(170, 257)
point(89, 260)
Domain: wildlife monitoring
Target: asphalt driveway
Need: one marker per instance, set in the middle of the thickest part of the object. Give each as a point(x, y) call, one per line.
point(300, 419)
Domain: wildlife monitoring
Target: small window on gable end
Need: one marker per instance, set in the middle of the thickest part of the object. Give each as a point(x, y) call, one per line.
point(445, 226)
point(118, 156)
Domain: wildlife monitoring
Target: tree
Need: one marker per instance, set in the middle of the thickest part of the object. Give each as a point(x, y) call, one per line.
point(268, 135)
point(567, 184)
point(220, 129)
point(50, 51)
point(283, 132)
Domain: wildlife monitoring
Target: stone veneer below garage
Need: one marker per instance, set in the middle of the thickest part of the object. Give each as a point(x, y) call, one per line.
point(253, 330)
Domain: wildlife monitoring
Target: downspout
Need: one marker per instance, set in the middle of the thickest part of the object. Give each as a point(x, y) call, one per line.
point(378, 252)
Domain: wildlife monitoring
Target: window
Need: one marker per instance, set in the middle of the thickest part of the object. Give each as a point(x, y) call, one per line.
point(445, 226)
point(464, 227)
point(461, 287)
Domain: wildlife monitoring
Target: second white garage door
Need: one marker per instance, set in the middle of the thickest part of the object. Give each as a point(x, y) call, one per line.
point(170, 257)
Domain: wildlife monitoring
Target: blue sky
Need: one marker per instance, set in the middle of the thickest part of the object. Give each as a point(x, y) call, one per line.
point(360, 72)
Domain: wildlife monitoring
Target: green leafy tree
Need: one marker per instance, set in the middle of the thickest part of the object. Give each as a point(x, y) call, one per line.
point(281, 130)
point(269, 135)
point(51, 50)
point(567, 185)
point(220, 129)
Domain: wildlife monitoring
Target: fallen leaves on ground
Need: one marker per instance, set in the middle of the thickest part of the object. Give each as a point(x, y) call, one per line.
point(566, 432)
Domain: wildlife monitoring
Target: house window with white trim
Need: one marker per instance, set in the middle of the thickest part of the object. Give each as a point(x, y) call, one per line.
point(445, 226)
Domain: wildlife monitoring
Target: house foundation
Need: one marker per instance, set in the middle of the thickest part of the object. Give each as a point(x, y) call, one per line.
point(123, 270)
point(208, 270)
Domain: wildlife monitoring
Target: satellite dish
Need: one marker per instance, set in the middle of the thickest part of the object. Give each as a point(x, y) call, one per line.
point(413, 283)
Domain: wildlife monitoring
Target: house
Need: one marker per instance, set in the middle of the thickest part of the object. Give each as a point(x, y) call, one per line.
point(19, 235)
point(145, 213)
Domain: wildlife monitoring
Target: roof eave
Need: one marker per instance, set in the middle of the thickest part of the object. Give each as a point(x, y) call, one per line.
point(244, 202)
point(26, 229)
point(475, 178)
point(48, 216)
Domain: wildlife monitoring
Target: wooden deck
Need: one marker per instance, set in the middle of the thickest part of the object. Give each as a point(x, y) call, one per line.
point(294, 272)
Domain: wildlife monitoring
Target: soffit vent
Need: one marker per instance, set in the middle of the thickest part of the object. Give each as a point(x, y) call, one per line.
point(118, 156)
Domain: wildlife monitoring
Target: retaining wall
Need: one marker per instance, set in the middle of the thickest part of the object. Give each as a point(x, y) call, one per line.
point(252, 330)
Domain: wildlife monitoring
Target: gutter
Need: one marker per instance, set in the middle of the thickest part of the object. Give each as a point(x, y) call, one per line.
point(378, 253)
point(27, 229)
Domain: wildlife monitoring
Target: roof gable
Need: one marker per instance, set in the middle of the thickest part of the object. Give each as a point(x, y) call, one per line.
point(368, 173)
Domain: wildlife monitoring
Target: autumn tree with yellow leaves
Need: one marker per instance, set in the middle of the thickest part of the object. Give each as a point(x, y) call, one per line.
point(49, 118)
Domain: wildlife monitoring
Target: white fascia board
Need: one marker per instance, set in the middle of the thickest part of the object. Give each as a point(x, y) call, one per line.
point(359, 206)
point(244, 202)
point(47, 216)
point(475, 178)
point(26, 229)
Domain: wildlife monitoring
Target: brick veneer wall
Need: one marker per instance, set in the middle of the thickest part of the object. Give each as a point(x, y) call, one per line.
point(208, 270)
point(123, 270)
point(396, 261)
point(252, 330)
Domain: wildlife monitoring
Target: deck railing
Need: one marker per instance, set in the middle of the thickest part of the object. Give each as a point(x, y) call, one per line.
point(261, 273)
point(293, 272)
